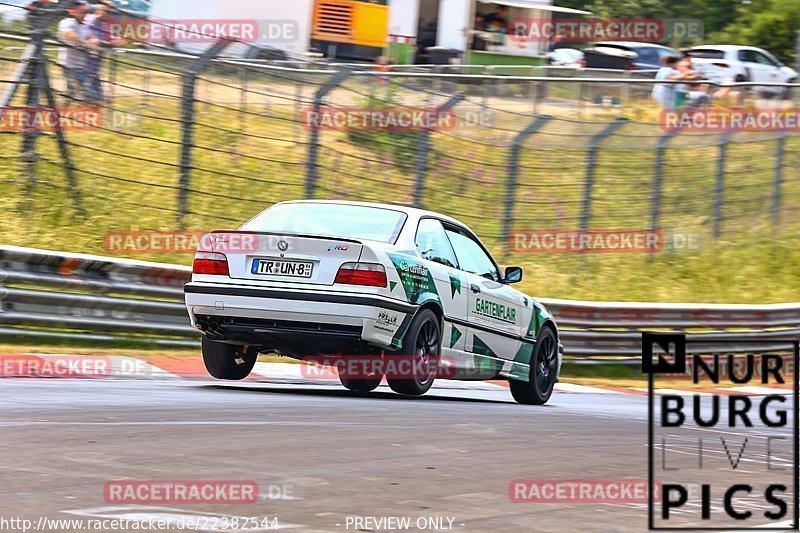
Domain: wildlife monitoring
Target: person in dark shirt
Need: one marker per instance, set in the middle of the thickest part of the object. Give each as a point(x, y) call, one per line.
point(497, 21)
point(100, 38)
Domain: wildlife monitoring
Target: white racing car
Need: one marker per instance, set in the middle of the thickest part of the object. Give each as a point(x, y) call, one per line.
point(308, 278)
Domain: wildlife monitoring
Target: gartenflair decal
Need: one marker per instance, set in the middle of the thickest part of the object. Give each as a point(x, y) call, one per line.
point(415, 278)
point(495, 310)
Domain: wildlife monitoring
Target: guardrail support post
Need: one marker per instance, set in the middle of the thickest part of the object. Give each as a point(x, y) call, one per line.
point(797, 51)
point(513, 174)
point(719, 185)
point(658, 179)
point(313, 143)
point(424, 149)
point(591, 168)
point(778, 179)
point(187, 121)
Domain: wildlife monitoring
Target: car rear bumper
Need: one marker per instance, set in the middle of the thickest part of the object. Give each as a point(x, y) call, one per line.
point(294, 319)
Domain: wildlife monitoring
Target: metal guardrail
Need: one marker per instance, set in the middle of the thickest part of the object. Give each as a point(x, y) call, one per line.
point(85, 297)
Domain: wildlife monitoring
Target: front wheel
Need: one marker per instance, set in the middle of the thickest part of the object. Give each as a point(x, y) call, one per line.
point(543, 371)
point(421, 345)
point(227, 361)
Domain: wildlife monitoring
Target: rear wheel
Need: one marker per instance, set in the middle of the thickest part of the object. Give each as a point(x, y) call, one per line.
point(543, 372)
point(421, 344)
point(227, 361)
point(361, 384)
point(788, 92)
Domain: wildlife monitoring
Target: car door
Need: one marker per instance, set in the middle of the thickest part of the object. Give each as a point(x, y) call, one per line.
point(756, 71)
point(770, 70)
point(495, 311)
point(440, 259)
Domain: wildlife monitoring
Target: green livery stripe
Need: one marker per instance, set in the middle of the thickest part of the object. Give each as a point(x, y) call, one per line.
point(455, 285)
point(397, 340)
point(455, 334)
point(520, 368)
point(485, 358)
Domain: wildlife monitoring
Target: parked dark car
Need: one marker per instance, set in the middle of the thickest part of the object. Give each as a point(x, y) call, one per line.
point(648, 55)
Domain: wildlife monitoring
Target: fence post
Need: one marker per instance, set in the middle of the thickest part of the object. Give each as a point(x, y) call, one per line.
point(591, 168)
point(513, 173)
point(797, 50)
point(187, 122)
point(778, 178)
point(424, 149)
point(313, 144)
point(111, 54)
point(658, 179)
point(719, 186)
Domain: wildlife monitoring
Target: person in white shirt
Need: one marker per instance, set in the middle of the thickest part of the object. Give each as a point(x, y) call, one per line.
point(664, 93)
point(74, 58)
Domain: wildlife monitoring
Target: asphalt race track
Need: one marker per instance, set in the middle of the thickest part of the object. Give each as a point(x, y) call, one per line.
point(321, 455)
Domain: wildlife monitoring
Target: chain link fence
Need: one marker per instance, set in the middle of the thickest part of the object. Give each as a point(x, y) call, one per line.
point(203, 142)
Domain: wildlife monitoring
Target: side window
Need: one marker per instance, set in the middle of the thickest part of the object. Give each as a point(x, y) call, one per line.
point(764, 60)
point(747, 56)
point(471, 257)
point(432, 243)
point(647, 55)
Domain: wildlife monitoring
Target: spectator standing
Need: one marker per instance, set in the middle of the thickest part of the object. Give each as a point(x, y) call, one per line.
point(99, 38)
point(73, 58)
point(664, 93)
point(684, 96)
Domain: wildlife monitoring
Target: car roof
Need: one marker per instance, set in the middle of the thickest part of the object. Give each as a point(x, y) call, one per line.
point(632, 44)
point(410, 211)
point(725, 47)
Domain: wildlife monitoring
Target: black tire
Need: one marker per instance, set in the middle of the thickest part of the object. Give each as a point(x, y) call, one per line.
point(422, 343)
point(227, 361)
point(544, 366)
point(361, 384)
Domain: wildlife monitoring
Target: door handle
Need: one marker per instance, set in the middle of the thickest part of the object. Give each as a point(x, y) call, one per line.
point(475, 288)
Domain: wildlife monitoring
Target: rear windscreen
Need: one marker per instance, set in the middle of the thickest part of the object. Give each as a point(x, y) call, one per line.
point(330, 220)
point(706, 54)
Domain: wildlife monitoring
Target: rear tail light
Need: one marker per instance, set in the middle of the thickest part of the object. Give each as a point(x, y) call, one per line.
point(722, 65)
point(210, 263)
point(370, 274)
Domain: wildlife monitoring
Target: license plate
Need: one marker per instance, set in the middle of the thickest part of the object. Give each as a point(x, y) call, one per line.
point(280, 267)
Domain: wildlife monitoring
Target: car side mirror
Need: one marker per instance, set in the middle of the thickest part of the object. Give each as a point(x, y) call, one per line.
point(513, 274)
